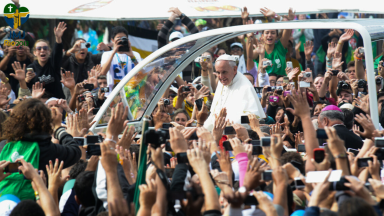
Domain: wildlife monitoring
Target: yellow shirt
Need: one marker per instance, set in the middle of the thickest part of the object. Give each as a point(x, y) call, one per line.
point(187, 107)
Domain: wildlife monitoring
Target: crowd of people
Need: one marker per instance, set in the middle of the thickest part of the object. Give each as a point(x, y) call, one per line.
point(277, 125)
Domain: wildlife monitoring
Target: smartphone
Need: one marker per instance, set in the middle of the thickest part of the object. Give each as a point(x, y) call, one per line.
point(286, 80)
point(89, 86)
point(269, 89)
point(304, 84)
point(92, 139)
point(95, 110)
point(259, 90)
point(299, 184)
point(169, 172)
point(12, 167)
point(257, 150)
point(227, 146)
point(321, 134)
point(81, 98)
point(250, 201)
point(229, 130)
point(266, 175)
point(363, 162)
point(354, 151)
point(167, 125)
point(244, 120)
point(182, 157)
point(318, 154)
point(80, 141)
point(255, 142)
point(319, 176)
point(335, 72)
point(93, 150)
point(301, 148)
point(30, 70)
point(266, 141)
point(199, 103)
point(289, 64)
point(379, 142)
point(168, 146)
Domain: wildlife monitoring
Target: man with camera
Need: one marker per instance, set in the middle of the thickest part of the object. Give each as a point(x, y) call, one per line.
point(79, 61)
point(117, 63)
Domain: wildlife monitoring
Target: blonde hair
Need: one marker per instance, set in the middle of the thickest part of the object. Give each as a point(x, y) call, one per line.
point(40, 40)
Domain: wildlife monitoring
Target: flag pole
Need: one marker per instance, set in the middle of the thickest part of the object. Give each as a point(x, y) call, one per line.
point(142, 164)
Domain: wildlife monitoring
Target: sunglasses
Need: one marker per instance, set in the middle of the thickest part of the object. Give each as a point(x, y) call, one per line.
point(42, 47)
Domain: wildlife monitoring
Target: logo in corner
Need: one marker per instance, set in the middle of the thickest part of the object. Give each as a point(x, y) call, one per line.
point(14, 16)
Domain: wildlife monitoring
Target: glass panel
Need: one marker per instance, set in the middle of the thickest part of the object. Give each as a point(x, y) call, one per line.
point(141, 88)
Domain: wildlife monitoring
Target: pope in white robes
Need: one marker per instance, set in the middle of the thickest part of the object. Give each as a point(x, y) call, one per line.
point(234, 92)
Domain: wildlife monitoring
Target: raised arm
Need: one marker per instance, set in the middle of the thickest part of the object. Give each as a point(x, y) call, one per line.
point(249, 50)
point(359, 67)
point(287, 32)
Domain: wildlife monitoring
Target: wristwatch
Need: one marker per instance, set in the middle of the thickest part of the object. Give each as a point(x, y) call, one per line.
point(182, 16)
point(342, 155)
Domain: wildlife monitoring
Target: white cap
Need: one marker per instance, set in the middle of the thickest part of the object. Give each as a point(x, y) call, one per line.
point(258, 21)
point(226, 57)
point(198, 79)
point(173, 88)
point(237, 44)
point(175, 35)
point(51, 99)
point(347, 106)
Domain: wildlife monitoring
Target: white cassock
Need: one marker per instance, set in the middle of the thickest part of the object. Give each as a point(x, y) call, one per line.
point(239, 98)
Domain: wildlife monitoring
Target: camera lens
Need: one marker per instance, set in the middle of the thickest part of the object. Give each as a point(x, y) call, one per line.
point(166, 102)
point(378, 81)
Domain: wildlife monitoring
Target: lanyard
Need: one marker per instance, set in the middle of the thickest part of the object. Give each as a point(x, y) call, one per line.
point(120, 63)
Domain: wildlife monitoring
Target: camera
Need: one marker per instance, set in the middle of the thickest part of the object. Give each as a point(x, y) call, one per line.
point(273, 99)
point(361, 50)
point(343, 85)
point(198, 86)
point(339, 185)
point(166, 102)
point(155, 137)
point(124, 42)
point(105, 89)
point(85, 45)
point(186, 89)
point(307, 75)
point(81, 98)
point(286, 93)
point(379, 80)
point(20, 48)
point(267, 63)
point(361, 83)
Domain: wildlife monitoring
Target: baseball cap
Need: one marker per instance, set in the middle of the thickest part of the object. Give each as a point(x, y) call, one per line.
point(200, 22)
point(175, 35)
point(237, 44)
point(7, 203)
point(347, 106)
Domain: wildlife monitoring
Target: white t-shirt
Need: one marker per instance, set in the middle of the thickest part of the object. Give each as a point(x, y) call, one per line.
point(123, 63)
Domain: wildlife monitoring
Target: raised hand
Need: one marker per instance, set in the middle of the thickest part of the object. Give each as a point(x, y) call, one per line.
point(148, 195)
point(68, 80)
point(4, 92)
point(117, 121)
point(347, 35)
point(335, 144)
point(59, 31)
point(244, 14)
point(72, 126)
point(366, 123)
point(237, 146)
point(331, 50)
point(30, 76)
point(83, 120)
point(300, 104)
point(308, 48)
point(202, 115)
point(267, 12)
point(177, 141)
point(79, 89)
point(218, 128)
point(128, 137)
point(358, 54)
point(19, 71)
point(336, 62)
point(55, 179)
point(291, 14)
point(253, 175)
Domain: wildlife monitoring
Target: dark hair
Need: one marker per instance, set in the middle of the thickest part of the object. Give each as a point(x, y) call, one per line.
point(251, 76)
point(277, 110)
point(348, 118)
point(102, 77)
point(217, 51)
point(118, 29)
point(83, 188)
point(287, 157)
point(317, 103)
point(78, 168)
point(334, 36)
point(47, 95)
point(210, 53)
point(180, 111)
point(273, 74)
point(380, 94)
point(27, 207)
point(77, 39)
point(277, 32)
point(351, 64)
point(253, 135)
point(29, 116)
point(3, 117)
point(355, 206)
point(135, 149)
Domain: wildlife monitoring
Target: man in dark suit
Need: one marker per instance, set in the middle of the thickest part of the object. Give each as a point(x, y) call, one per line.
point(332, 116)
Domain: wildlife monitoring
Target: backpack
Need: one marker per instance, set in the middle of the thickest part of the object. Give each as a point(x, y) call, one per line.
point(16, 183)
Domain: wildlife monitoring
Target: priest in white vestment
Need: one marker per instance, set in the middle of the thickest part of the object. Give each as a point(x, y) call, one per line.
point(234, 92)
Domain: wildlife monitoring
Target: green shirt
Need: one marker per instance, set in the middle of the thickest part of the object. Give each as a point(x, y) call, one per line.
point(302, 39)
point(377, 61)
point(277, 56)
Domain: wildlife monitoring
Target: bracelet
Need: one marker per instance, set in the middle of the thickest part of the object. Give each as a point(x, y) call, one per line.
point(358, 59)
point(111, 140)
point(37, 197)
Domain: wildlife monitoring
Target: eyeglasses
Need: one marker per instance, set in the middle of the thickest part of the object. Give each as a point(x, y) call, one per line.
point(42, 47)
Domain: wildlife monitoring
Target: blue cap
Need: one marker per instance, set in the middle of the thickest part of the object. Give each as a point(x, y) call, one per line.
point(298, 213)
